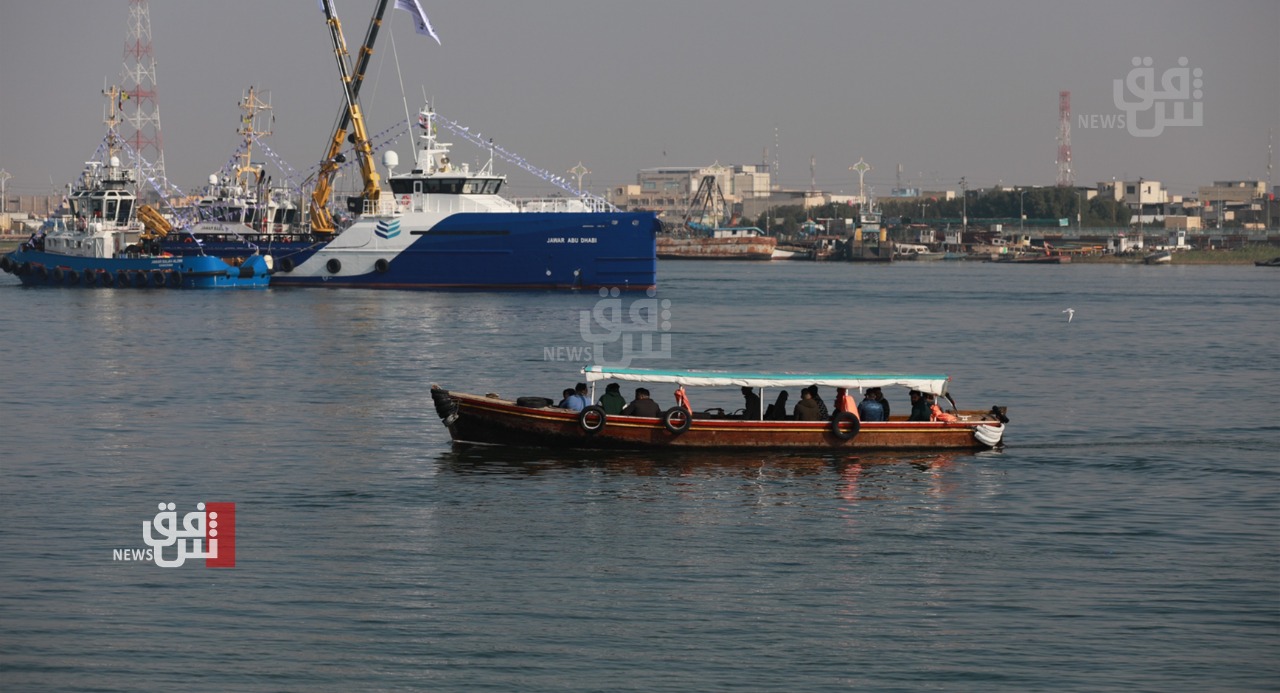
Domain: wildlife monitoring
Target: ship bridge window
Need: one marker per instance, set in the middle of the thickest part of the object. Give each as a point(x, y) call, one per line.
point(445, 186)
point(111, 210)
point(491, 186)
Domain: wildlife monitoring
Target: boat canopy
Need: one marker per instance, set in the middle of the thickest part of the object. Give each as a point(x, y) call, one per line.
point(931, 383)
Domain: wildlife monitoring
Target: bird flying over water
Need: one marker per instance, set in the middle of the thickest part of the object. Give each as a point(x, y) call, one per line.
point(1071, 313)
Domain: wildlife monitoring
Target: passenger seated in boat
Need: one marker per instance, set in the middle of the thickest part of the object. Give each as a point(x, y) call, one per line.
point(919, 407)
point(642, 405)
point(806, 408)
point(844, 402)
point(578, 400)
point(870, 408)
point(879, 395)
point(564, 398)
point(753, 404)
point(823, 414)
point(778, 410)
point(613, 402)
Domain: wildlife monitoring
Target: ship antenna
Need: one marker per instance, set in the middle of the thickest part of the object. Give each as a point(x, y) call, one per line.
point(404, 97)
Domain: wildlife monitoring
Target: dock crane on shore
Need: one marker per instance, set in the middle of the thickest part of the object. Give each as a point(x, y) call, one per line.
point(351, 116)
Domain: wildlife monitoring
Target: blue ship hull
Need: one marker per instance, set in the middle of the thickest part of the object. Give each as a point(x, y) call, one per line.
point(524, 250)
point(38, 268)
point(295, 248)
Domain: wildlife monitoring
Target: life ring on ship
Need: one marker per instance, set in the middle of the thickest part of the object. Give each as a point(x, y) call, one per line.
point(381, 266)
point(592, 418)
point(334, 265)
point(405, 200)
point(842, 418)
point(677, 420)
point(286, 264)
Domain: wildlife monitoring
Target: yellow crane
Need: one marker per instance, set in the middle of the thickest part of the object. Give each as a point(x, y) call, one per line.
point(321, 220)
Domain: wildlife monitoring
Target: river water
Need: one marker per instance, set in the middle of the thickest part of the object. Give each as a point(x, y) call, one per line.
point(1125, 539)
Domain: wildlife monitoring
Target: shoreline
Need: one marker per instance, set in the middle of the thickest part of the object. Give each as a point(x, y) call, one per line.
point(1238, 256)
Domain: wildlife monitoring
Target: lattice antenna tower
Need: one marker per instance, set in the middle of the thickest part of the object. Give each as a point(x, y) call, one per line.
point(1066, 176)
point(141, 107)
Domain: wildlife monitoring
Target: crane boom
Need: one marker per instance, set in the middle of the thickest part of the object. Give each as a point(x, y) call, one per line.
point(351, 116)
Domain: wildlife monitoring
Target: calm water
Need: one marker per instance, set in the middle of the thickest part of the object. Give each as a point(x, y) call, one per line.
point(1125, 540)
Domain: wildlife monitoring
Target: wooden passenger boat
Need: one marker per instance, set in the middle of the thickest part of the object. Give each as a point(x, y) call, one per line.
point(533, 421)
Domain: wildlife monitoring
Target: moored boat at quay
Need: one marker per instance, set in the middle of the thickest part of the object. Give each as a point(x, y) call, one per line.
point(443, 225)
point(102, 243)
point(532, 421)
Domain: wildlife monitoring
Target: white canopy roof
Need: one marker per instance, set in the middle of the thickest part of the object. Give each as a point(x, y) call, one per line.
point(933, 383)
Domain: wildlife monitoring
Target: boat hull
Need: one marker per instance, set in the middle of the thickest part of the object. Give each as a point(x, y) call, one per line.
point(475, 419)
point(493, 250)
point(746, 248)
point(38, 268)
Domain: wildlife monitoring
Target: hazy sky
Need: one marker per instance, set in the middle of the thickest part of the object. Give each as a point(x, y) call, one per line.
point(946, 89)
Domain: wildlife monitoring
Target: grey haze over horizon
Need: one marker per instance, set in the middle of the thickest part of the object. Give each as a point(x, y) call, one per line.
point(944, 89)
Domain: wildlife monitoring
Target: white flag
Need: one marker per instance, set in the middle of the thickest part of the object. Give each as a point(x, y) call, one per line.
point(421, 24)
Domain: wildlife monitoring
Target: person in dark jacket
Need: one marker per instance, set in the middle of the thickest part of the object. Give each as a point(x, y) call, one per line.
point(807, 409)
point(613, 402)
point(778, 410)
point(919, 407)
point(642, 405)
point(879, 395)
point(753, 404)
point(823, 413)
point(870, 408)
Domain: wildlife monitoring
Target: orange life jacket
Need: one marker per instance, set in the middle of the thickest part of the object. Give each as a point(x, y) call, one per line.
point(939, 415)
point(682, 400)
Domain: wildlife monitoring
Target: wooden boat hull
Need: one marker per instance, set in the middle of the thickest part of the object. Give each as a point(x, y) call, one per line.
point(741, 248)
point(476, 419)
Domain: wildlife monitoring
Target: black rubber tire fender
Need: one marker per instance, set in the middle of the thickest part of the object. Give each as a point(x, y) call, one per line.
point(590, 413)
point(677, 419)
point(842, 418)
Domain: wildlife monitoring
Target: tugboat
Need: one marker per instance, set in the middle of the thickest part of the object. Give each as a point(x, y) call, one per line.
point(240, 213)
point(108, 240)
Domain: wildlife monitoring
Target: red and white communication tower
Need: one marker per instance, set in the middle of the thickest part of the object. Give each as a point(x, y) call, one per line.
point(140, 108)
point(1066, 177)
